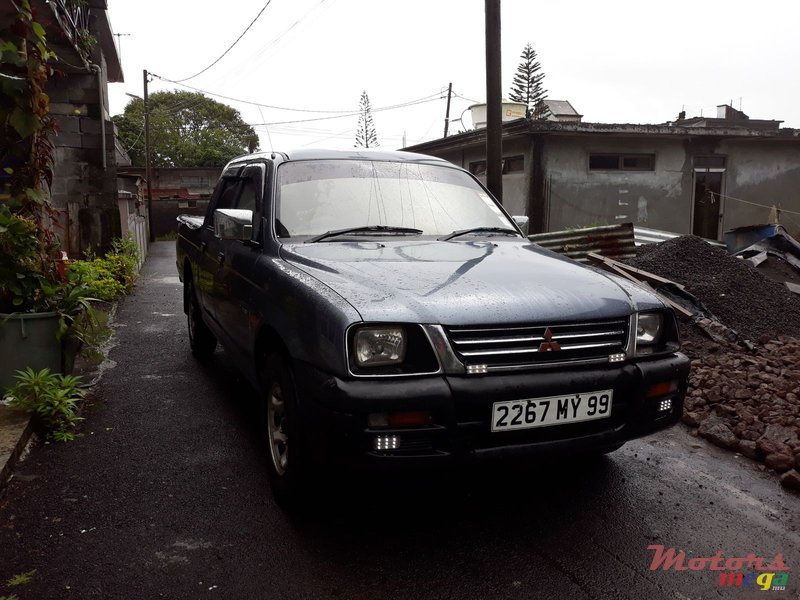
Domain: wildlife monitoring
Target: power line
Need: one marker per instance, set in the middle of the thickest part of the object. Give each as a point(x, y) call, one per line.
point(343, 113)
point(229, 47)
point(352, 114)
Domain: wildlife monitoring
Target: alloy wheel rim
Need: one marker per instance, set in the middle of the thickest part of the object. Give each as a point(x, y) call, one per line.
point(276, 428)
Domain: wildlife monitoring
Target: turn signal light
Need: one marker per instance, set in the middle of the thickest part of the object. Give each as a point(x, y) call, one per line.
point(661, 389)
point(414, 418)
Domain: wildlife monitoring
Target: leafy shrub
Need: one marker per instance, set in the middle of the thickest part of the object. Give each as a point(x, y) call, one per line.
point(110, 276)
point(51, 397)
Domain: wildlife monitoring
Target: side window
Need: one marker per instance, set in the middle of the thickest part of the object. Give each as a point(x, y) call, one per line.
point(250, 198)
point(227, 197)
point(224, 194)
point(247, 197)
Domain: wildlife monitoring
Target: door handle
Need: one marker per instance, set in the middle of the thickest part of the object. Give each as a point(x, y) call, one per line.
point(221, 257)
point(203, 246)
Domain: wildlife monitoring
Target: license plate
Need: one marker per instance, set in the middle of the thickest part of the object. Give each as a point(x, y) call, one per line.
point(555, 410)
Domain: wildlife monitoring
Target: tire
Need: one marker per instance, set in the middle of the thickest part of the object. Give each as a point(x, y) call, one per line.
point(287, 469)
point(201, 340)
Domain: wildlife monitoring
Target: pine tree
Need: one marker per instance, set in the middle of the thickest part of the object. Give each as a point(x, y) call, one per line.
point(527, 85)
point(365, 134)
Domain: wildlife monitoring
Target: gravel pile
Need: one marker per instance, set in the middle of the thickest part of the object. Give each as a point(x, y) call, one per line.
point(735, 292)
point(750, 403)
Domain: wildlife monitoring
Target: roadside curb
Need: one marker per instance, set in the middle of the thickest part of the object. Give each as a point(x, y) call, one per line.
point(13, 458)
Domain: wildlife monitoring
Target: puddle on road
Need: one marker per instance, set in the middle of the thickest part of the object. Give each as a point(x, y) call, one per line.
point(171, 280)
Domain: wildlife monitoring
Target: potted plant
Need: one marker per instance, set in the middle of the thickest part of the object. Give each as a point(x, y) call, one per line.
point(37, 305)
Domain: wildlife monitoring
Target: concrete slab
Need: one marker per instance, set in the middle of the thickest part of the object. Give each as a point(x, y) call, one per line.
point(15, 431)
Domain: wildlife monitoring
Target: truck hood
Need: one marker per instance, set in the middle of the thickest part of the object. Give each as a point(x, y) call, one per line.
point(465, 283)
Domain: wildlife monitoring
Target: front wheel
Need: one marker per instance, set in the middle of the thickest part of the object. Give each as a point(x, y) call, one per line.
point(201, 340)
point(282, 435)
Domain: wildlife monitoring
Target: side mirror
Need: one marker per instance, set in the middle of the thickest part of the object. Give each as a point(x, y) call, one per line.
point(522, 222)
point(233, 224)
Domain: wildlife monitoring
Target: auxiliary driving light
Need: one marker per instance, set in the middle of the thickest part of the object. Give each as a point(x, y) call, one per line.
point(387, 442)
point(618, 357)
point(665, 405)
point(477, 369)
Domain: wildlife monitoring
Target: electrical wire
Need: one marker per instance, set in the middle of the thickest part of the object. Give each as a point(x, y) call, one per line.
point(781, 210)
point(435, 96)
point(221, 56)
point(353, 114)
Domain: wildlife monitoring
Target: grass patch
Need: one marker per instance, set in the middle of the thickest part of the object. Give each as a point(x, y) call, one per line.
point(21, 579)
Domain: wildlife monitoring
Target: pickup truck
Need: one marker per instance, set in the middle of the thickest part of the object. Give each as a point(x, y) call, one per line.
point(390, 312)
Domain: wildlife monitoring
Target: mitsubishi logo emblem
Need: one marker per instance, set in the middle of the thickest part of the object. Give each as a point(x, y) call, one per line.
point(548, 345)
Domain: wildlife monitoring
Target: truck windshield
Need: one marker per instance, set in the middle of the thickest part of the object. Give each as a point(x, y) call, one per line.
point(318, 196)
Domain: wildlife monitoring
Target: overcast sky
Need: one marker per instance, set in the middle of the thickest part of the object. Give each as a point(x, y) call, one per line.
point(626, 61)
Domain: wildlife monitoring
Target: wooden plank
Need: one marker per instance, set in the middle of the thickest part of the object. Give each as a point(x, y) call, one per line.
point(612, 265)
point(639, 272)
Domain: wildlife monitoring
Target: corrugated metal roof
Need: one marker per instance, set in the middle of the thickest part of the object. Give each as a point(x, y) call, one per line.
point(613, 241)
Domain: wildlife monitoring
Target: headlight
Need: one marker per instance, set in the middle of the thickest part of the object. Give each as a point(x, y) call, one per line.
point(378, 346)
point(648, 328)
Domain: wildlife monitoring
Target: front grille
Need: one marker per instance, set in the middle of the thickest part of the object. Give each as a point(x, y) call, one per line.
point(501, 348)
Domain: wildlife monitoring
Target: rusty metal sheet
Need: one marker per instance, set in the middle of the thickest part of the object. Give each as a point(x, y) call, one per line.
point(613, 241)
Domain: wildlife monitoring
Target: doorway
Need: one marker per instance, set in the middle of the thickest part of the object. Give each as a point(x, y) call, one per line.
point(709, 183)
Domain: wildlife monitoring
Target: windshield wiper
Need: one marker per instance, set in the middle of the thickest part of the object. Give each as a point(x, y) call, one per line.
point(366, 229)
point(505, 230)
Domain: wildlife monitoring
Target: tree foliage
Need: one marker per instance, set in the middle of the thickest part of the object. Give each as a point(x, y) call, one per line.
point(365, 134)
point(187, 129)
point(527, 84)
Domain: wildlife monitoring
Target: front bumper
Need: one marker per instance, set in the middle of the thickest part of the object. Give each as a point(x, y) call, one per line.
point(334, 412)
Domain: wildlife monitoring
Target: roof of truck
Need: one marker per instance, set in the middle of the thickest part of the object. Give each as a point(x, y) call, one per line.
point(351, 154)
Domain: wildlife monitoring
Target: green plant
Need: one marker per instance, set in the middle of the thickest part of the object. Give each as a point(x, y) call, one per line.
point(110, 276)
point(21, 578)
point(51, 397)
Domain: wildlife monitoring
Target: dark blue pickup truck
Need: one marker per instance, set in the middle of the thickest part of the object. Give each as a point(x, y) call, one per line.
point(390, 312)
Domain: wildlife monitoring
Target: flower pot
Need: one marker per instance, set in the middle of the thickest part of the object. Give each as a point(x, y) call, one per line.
point(28, 340)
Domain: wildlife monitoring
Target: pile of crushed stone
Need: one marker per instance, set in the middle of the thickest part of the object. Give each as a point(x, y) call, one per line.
point(750, 403)
point(741, 297)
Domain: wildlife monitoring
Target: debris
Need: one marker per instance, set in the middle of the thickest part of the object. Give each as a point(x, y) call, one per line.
point(737, 294)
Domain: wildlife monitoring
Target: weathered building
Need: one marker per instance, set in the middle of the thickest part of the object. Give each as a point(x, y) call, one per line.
point(177, 191)
point(84, 190)
point(685, 176)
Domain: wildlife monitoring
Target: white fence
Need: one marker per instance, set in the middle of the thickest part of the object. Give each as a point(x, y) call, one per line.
point(133, 221)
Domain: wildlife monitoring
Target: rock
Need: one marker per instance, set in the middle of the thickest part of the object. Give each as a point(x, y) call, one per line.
point(748, 449)
point(780, 433)
point(797, 461)
point(779, 462)
point(692, 419)
point(743, 393)
point(791, 480)
point(766, 447)
point(718, 433)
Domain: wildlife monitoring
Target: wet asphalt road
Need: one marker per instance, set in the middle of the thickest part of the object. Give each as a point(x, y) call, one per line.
point(165, 495)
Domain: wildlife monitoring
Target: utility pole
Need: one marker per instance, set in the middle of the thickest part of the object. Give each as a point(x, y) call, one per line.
point(447, 114)
point(147, 169)
point(494, 104)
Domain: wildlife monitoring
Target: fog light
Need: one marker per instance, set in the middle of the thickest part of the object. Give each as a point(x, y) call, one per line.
point(618, 357)
point(386, 442)
point(477, 369)
point(665, 405)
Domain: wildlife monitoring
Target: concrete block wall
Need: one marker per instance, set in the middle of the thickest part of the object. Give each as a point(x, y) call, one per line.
point(84, 192)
